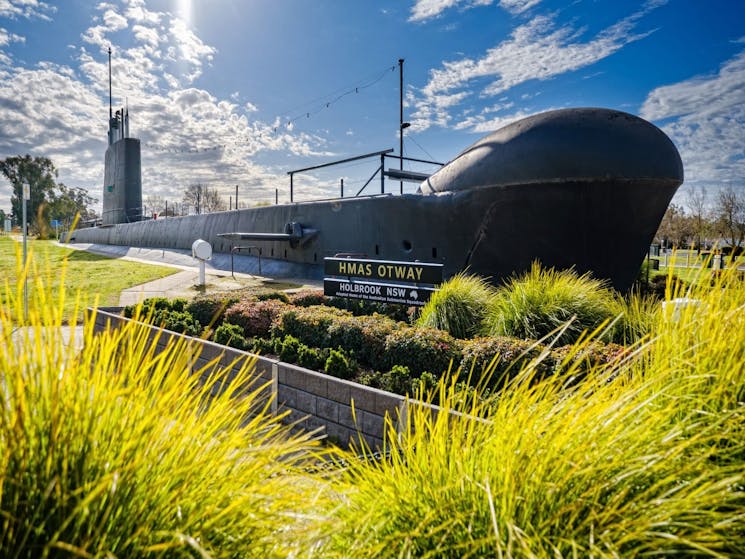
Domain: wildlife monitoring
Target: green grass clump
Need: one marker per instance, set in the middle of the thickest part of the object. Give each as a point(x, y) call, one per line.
point(458, 306)
point(645, 456)
point(543, 301)
point(109, 448)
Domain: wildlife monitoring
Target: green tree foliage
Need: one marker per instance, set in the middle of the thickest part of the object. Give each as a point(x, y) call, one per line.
point(48, 199)
point(39, 174)
point(730, 217)
point(67, 202)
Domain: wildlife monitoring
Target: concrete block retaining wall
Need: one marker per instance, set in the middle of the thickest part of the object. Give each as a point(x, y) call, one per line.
point(343, 410)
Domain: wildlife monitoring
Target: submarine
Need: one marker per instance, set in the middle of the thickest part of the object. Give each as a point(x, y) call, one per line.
point(581, 188)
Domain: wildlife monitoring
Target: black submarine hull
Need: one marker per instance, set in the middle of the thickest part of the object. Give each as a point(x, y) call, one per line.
point(581, 188)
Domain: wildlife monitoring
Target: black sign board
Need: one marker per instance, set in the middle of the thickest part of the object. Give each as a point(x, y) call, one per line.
point(384, 270)
point(380, 292)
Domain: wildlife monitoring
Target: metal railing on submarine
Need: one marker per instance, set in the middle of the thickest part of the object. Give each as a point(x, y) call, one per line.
point(400, 174)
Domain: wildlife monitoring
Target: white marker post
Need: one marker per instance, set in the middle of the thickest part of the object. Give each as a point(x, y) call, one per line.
point(202, 251)
point(26, 197)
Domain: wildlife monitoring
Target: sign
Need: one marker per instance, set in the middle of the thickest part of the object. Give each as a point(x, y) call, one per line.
point(8, 225)
point(26, 192)
point(56, 223)
point(384, 270)
point(381, 292)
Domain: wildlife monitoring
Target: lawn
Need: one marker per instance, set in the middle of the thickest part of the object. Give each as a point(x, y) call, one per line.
point(92, 276)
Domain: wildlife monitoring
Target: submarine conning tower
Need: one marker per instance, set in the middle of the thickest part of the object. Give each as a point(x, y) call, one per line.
point(122, 186)
point(122, 191)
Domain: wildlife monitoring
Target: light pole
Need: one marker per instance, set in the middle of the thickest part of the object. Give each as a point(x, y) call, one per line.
point(26, 197)
point(401, 120)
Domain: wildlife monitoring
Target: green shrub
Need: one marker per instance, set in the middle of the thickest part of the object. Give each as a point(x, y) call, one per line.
point(273, 296)
point(307, 298)
point(490, 362)
point(543, 301)
point(458, 306)
point(363, 335)
point(209, 311)
point(397, 380)
point(308, 324)
point(177, 321)
point(339, 365)
point(263, 346)
point(311, 358)
point(152, 305)
point(289, 348)
point(255, 317)
point(421, 349)
point(231, 335)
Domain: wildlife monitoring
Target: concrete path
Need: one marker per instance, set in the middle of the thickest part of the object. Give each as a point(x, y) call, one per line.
point(184, 282)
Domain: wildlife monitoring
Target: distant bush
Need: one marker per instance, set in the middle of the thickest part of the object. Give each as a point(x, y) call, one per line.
point(658, 286)
point(458, 306)
point(255, 317)
point(421, 349)
point(231, 335)
point(544, 300)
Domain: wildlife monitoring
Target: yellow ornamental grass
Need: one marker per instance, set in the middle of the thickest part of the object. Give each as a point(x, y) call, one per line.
point(110, 449)
point(644, 457)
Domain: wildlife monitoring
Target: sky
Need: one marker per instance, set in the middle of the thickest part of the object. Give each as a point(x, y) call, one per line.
point(233, 93)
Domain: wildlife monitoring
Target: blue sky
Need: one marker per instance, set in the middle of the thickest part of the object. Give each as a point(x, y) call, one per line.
point(238, 92)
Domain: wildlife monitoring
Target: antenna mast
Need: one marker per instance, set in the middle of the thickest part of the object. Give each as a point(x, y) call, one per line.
point(110, 113)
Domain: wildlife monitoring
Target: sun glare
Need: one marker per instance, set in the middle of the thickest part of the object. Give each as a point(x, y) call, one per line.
point(183, 9)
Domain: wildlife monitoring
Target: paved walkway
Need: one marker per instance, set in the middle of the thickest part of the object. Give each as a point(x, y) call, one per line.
point(218, 274)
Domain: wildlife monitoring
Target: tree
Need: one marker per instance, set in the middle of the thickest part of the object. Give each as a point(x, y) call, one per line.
point(38, 173)
point(675, 228)
point(67, 202)
point(730, 217)
point(204, 199)
point(696, 200)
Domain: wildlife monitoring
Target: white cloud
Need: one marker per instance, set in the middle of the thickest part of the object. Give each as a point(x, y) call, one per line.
point(6, 38)
point(428, 9)
point(536, 50)
point(518, 6)
point(187, 133)
point(26, 8)
point(705, 117)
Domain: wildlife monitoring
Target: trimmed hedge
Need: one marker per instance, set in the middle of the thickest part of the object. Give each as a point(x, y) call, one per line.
point(210, 310)
point(255, 317)
point(308, 324)
point(508, 354)
point(364, 336)
point(421, 349)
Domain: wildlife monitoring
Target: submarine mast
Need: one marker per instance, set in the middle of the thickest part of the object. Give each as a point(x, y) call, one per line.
point(122, 191)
